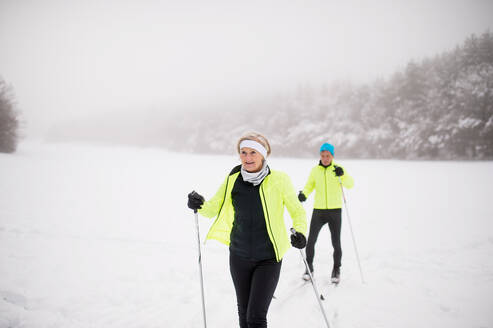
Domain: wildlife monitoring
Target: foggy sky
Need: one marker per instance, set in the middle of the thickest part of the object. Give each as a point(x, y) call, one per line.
point(72, 59)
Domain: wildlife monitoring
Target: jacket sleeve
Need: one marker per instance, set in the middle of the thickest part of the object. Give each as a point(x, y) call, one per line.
point(211, 207)
point(347, 180)
point(310, 184)
point(295, 209)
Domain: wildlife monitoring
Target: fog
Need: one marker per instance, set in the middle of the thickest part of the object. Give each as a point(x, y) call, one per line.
point(71, 60)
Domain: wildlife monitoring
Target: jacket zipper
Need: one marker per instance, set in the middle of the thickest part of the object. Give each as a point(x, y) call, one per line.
point(268, 223)
point(325, 180)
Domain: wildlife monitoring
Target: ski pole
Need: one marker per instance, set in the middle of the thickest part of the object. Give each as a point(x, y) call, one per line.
point(317, 294)
point(352, 234)
point(200, 267)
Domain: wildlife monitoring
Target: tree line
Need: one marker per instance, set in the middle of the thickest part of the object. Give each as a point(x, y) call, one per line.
point(435, 108)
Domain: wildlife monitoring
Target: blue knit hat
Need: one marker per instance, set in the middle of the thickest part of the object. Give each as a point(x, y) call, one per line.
point(328, 147)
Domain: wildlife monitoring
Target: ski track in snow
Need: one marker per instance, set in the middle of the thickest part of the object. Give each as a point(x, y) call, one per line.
point(99, 236)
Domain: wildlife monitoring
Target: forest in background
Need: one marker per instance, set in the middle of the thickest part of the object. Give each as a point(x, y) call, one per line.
point(437, 108)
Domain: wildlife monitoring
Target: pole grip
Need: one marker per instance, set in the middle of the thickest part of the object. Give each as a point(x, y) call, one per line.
point(293, 231)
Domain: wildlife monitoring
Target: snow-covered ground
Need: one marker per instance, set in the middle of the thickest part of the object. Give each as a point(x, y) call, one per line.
point(94, 236)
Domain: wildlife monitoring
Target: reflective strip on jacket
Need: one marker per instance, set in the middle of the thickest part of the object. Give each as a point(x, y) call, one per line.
point(276, 191)
point(327, 187)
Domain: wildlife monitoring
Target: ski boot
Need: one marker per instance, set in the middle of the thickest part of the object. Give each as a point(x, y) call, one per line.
point(335, 277)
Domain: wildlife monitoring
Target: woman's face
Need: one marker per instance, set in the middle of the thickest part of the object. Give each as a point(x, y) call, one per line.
point(326, 157)
point(251, 159)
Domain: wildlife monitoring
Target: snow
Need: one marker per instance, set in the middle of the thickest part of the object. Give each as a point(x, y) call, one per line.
point(100, 236)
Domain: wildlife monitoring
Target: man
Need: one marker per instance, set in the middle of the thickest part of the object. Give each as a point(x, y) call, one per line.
point(327, 179)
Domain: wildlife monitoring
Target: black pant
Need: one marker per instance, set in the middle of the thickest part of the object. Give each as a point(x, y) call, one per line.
point(255, 283)
point(319, 218)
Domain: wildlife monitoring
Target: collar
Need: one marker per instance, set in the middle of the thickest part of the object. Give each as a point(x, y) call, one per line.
point(320, 163)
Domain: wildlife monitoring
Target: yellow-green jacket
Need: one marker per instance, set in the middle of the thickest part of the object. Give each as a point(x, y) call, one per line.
point(328, 194)
point(276, 191)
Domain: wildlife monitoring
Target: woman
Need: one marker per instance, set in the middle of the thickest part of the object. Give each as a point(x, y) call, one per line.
point(327, 179)
point(249, 208)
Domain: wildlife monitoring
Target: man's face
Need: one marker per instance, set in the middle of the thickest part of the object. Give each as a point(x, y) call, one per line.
point(326, 157)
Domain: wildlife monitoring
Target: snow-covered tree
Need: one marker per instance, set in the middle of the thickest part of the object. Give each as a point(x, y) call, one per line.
point(9, 122)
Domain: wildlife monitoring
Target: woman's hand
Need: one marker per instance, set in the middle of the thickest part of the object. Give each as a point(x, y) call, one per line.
point(195, 200)
point(298, 240)
point(338, 171)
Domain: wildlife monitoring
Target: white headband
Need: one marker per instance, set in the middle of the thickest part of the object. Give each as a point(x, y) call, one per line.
point(254, 145)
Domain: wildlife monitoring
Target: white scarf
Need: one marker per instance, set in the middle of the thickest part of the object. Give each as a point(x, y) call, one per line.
point(255, 177)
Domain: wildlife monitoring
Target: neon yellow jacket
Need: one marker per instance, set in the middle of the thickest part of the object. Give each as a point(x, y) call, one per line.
point(276, 191)
point(328, 194)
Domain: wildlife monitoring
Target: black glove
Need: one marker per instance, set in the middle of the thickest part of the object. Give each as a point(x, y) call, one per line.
point(195, 201)
point(298, 240)
point(338, 171)
point(301, 196)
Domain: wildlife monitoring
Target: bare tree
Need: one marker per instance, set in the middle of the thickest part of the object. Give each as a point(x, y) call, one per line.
point(9, 122)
